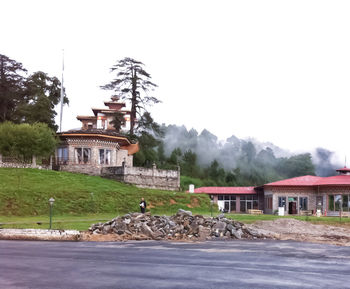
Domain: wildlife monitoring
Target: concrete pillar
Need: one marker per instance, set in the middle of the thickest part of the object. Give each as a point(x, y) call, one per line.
point(71, 156)
point(238, 204)
point(154, 167)
point(94, 155)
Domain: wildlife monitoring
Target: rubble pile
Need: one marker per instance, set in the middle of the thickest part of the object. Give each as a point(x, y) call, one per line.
point(181, 226)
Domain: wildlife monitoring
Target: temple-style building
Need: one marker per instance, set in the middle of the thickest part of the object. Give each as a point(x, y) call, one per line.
point(97, 144)
point(99, 149)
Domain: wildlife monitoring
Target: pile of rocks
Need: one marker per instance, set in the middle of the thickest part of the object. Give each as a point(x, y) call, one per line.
point(181, 226)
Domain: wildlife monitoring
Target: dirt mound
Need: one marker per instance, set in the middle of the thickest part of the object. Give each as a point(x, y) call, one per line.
point(291, 229)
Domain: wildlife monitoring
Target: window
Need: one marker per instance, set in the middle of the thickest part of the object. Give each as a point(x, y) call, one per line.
point(346, 203)
point(105, 157)
point(229, 204)
point(248, 203)
point(282, 202)
point(82, 155)
point(242, 206)
point(268, 202)
point(62, 155)
point(334, 202)
point(303, 203)
point(331, 202)
point(232, 206)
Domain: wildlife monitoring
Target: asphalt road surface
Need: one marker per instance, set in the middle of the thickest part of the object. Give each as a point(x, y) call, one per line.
point(151, 264)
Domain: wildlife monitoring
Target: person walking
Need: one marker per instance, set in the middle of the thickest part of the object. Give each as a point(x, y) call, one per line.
point(143, 205)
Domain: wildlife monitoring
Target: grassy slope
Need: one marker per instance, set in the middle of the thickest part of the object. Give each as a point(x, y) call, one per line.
point(25, 192)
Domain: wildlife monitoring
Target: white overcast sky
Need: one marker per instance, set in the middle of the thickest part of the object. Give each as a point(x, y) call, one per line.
point(277, 71)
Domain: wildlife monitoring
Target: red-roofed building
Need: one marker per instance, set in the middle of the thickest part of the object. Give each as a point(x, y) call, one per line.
point(305, 193)
point(234, 199)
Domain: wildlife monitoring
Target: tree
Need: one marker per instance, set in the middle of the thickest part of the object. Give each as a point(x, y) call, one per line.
point(118, 120)
point(133, 83)
point(249, 151)
point(23, 141)
point(148, 136)
point(189, 164)
point(41, 94)
point(297, 165)
point(11, 86)
point(175, 156)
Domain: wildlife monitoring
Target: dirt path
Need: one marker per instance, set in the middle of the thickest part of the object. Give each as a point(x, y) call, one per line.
point(291, 229)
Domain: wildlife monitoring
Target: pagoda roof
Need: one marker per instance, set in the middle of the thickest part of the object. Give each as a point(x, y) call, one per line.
point(344, 169)
point(110, 135)
point(114, 102)
point(107, 110)
point(86, 117)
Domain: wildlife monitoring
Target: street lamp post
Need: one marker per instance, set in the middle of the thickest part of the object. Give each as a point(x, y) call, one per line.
point(51, 201)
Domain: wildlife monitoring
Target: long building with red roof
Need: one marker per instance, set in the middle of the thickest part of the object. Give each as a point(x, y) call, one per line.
point(328, 195)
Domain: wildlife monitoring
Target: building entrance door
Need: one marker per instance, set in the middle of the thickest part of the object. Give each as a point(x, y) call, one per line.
point(292, 206)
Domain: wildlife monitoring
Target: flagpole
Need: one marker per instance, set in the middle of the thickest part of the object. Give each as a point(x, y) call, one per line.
point(62, 91)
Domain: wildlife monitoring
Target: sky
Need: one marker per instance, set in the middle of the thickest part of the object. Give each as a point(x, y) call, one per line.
point(277, 71)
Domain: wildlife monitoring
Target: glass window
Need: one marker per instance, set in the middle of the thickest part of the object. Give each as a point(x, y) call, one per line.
point(86, 155)
point(255, 205)
point(105, 157)
point(303, 203)
point(226, 197)
point(233, 198)
point(345, 202)
point(242, 204)
point(233, 206)
point(108, 157)
point(227, 206)
point(82, 155)
point(220, 197)
point(102, 157)
point(62, 155)
point(337, 199)
point(331, 202)
point(282, 202)
point(243, 198)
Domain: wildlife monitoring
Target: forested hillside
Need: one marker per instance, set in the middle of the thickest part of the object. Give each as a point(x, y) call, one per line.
point(204, 160)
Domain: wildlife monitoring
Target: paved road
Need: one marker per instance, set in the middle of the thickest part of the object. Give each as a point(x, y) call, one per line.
point(149, 264)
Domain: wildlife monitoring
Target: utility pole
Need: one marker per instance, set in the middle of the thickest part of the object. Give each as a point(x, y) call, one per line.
point(62, 92)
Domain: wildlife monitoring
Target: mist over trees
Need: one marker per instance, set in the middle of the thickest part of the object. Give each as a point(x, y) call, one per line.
point(206, 161)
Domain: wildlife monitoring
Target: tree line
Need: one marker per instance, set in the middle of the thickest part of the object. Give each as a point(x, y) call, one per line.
point(245, 163)
point(27, 98)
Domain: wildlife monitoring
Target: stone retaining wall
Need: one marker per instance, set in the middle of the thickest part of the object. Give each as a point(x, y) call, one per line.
point(145, 178)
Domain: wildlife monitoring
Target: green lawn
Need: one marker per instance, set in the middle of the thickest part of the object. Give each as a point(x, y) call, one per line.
point(82, 200)
point(83, 222)
point(248, 219)
point(25, 192)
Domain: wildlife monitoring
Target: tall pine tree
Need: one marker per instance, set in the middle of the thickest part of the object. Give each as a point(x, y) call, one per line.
point(133, 83)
